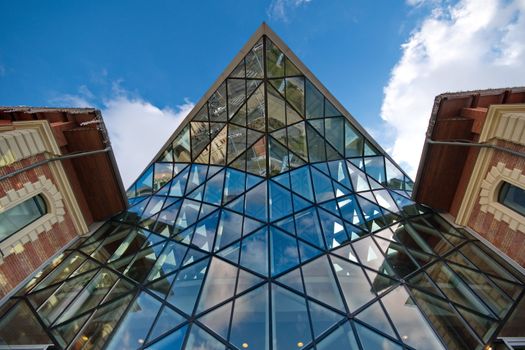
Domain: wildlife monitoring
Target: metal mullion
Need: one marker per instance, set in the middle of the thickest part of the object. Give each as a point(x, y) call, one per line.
point(163, 335)
point(490, 281)
point(39, 320)
point(74, 298)
point(520, 283)
point(91, 310)
point(454, 309)
point(121, 319)
point(509, 313)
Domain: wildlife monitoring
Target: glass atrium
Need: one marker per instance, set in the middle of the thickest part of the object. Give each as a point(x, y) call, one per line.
point(270, 221)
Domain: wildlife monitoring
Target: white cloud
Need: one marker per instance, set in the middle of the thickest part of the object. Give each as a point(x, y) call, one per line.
point(474, 44)
point(280, 9)
point(137, 130)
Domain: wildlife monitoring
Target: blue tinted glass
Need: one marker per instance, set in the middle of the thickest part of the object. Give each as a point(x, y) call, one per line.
point(214, 187)
point(284, 251)
point(200, 339)
point(322, 185)
point(254, 251)
point(320, 283)
point(308, 228)
point(250, 328)
point(375, 167)
point(186, 287)
point(171, 342)
point(301, 183)
point(280, 202)
point(256, 202)
point(290, 320)
point(229, 230)
point(372, 340)
point(234, 184)
point(342, 338)
point(136, 323)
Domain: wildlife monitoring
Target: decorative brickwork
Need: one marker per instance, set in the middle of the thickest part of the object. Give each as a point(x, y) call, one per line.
point(27, 254)
point(496, 225)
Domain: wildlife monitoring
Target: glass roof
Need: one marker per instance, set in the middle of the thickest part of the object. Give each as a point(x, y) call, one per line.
point(270, 222)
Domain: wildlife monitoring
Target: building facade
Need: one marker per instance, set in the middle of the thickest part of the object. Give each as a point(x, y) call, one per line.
point(45, 201)
point(473, 165)
point(270, 220)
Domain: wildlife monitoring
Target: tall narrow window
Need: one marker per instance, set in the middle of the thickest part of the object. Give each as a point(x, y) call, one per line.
point(512, 197)
point(16, 218)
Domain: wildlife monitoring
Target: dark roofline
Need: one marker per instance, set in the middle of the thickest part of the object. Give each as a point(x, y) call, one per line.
point(433, 116)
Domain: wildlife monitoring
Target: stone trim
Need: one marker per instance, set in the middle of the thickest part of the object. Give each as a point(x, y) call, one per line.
point(16, 145)
point(488, 197)
point(55, 213)
point(51, 148)
point(503, 122)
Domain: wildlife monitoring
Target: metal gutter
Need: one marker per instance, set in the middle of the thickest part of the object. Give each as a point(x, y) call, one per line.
point(54, 159)
point(474, 144)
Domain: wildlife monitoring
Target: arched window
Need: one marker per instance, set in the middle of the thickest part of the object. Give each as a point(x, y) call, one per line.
point(512, 197)
point(14, 219)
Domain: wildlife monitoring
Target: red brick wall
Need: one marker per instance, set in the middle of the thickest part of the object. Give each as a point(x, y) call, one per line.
point(511, 242)
point(15, 267)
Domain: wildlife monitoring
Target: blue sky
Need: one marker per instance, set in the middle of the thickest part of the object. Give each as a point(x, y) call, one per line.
point(151, 61)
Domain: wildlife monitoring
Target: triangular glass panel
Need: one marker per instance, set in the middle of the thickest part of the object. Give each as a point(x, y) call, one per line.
point(284, 251)
point(172, 341)
point(218, 320)
point(322, 318)
point(167, 320)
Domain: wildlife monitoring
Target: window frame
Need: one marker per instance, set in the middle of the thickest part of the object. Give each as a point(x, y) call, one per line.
point(502, 193)
point(41, 206)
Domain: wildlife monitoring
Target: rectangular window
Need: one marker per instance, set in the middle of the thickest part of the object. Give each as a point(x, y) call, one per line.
point(512, 197)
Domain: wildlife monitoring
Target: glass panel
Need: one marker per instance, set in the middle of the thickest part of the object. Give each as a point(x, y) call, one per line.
point(256, 116)
point(218, 320)
point(236, 95)
point(256, 202)
point(320, 283)
point(186, 287)
point(284, 251)
point(236, 141)
point(372, 340)
point(314, 101)
point(219, 285)
point(101, 325)
point(171, 342)
point(297, 140)
point(454, 288)
point(20, 327)
point(353, 141)
point(200, 339)
point(335, 133)
point(254, 252)
point(308, 228)
point(133, 329)
point(218, 148)
point(254, 61)
point(250, 325)
point(229, 230)
point(280, 202)
point(200, 137)
point(276, 110)
point(289, 320)
point(295, 93)
point(410, 323)
point(217, 104)
point(274, 60)
point(167, 320)
point(447, 322)
point(375, 316)
point(355, 286)
point(181, 146)
point(322, 318)
point(342, 338)
point(301, 183)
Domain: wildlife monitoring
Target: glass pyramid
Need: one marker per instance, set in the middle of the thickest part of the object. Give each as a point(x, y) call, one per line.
point(270, 220)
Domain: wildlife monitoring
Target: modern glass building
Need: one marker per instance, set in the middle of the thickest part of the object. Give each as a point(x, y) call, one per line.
point(270, 220)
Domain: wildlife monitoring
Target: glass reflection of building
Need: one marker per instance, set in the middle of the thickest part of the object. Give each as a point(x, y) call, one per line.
point(270, 220)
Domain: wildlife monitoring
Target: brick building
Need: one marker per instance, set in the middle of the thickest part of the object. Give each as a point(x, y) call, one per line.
point(473, 165)
point(51, 160)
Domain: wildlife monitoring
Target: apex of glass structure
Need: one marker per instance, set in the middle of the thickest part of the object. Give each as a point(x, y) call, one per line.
point(270, 220)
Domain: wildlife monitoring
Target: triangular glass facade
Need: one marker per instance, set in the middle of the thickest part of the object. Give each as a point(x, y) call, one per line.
point(269, 222)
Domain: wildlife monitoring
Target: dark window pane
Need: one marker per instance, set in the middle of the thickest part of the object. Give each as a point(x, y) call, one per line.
point(512, 197)
point(21, 215)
